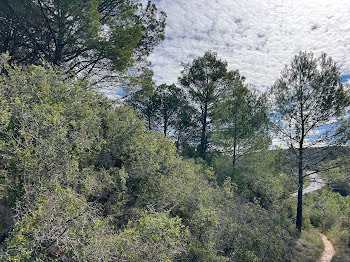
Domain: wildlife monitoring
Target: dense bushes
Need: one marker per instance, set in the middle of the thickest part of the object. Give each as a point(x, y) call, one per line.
point(89, 182)
point(330, 212)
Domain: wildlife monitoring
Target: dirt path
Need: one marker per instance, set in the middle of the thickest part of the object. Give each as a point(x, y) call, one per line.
point(328, 251)
point(317, 183)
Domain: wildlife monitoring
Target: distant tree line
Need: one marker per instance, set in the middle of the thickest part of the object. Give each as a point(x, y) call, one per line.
point(211, 108)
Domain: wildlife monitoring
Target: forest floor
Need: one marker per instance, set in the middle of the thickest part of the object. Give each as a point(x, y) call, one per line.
point(328, 251)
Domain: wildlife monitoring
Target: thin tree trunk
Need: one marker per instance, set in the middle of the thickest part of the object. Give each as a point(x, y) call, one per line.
point(149, 123)
point(165, 124)
point(234, 159)
point(301, 178)
point(177, 143)
point(203, 145)
point(300, 192)
point(165, 129)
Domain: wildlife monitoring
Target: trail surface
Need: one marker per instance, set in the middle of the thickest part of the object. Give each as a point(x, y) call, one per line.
point(328, 251)
point(316, 183)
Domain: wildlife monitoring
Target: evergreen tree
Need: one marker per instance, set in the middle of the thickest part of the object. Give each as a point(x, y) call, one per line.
point(99, 37)
point(204, 79)
point(145, 103)
point(240, 119)
point(166, 108)
point(170, 98)
point(309, 97)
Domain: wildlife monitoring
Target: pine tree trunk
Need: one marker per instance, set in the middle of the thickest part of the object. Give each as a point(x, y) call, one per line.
point(165, 127)
point(203, 144)
point(149, 123)
point(300, 192)
point(301, 178)
point(234, 159)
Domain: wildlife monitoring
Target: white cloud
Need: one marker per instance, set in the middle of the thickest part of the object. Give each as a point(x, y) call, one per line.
point(257, 37)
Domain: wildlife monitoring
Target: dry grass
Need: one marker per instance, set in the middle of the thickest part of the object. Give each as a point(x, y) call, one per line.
point(308, 248)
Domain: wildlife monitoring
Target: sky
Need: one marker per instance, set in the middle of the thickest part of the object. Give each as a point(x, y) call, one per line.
point(256, 37)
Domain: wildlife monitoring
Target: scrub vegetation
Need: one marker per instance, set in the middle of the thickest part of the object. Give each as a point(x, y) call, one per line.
point(180, 172)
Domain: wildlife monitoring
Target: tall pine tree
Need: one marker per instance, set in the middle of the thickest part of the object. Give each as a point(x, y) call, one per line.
point(240, 119)
point(204, 79)
point(309, 97)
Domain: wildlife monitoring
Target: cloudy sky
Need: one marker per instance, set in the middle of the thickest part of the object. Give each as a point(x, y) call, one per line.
point(258, 37)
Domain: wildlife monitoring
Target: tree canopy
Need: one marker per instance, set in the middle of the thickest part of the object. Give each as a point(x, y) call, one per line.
point(99, 37)
point(204, 79)
point(240, 119)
